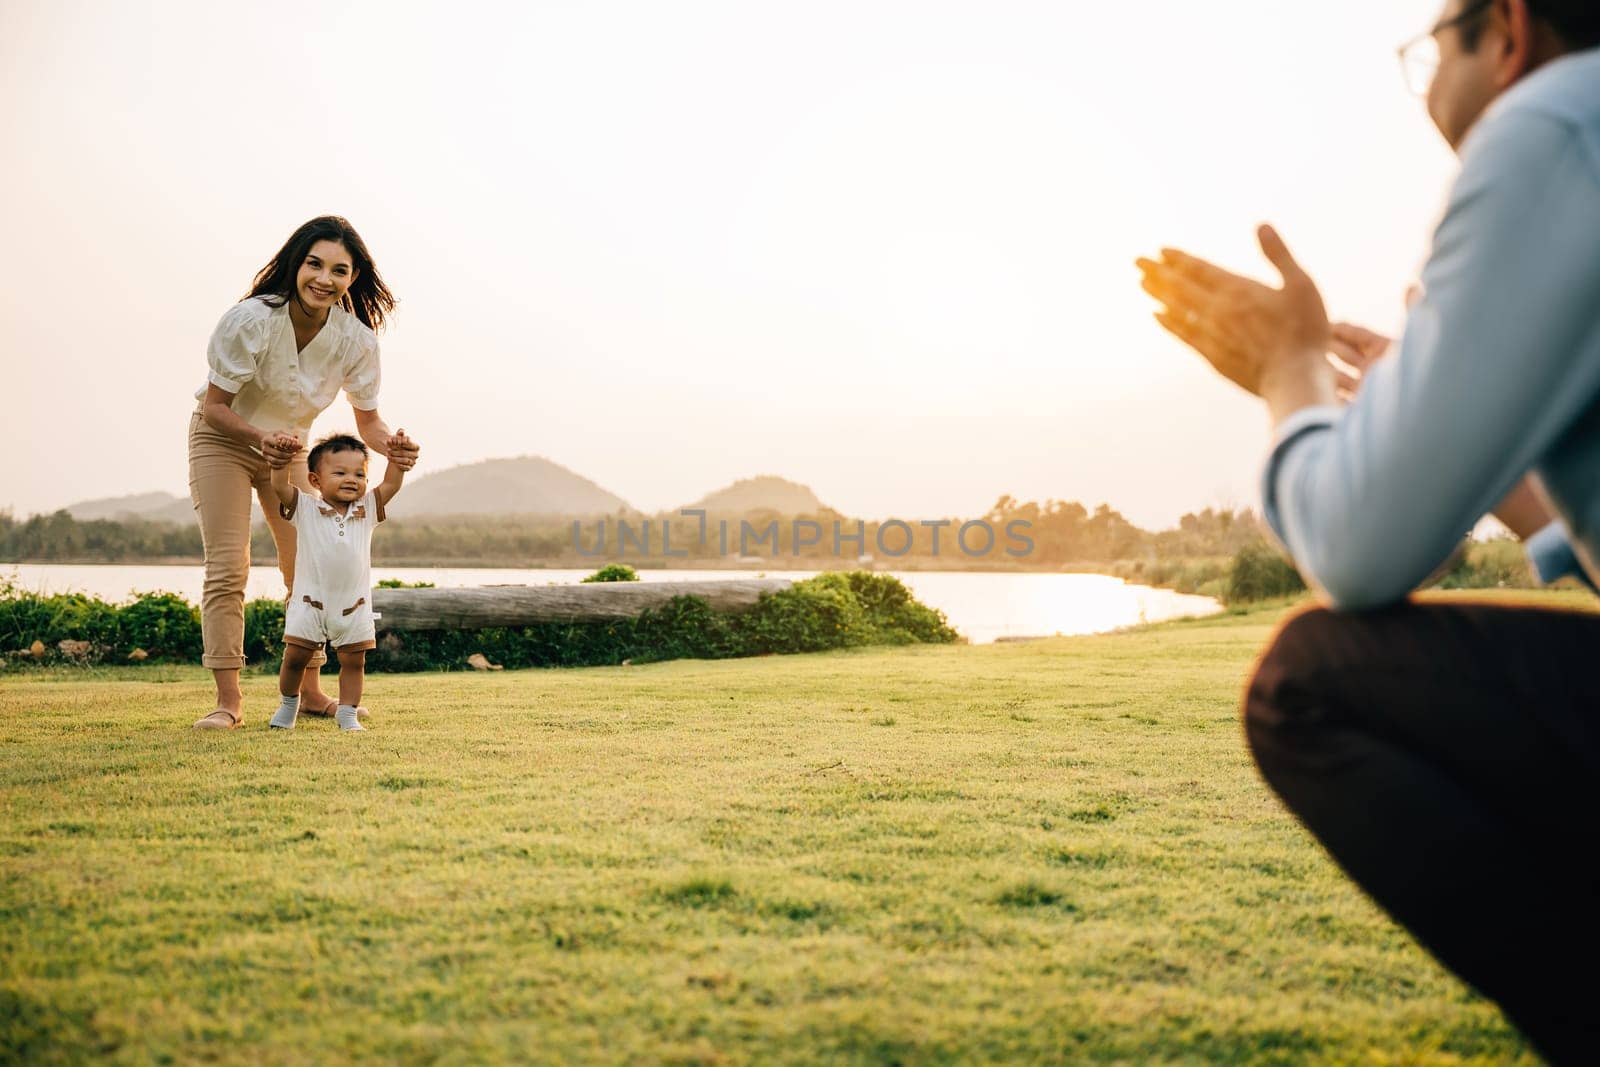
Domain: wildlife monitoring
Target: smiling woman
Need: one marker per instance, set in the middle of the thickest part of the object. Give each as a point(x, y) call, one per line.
point(276, 361)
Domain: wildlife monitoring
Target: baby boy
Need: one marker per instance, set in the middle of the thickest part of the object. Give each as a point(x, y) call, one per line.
point(332, 595)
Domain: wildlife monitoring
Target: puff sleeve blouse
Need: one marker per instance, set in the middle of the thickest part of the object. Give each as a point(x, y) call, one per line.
point(252, 354)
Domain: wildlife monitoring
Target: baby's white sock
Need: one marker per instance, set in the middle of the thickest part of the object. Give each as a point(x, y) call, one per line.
point(283, 718)
point(346, 718)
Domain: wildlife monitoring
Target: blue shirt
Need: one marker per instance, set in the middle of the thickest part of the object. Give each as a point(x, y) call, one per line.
point(1497, 373)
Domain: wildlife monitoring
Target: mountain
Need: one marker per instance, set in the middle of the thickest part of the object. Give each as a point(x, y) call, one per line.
point(146, 507)
point(132, 506)
point(766, 492)
point(525, 485)
point(181, 510)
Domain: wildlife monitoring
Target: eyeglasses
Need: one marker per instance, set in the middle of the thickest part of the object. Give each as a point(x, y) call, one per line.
point(1419, 57)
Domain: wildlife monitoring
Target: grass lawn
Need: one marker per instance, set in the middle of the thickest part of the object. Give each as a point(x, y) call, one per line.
point(1053, 851)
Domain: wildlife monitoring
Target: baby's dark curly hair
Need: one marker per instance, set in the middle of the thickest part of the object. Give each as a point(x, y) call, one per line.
point(337, 442)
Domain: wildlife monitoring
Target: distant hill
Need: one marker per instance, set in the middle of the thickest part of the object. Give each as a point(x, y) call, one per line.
point(766, 492)
point(132, 506)
point(526, 485)
point(181, 510)
point(147, 507)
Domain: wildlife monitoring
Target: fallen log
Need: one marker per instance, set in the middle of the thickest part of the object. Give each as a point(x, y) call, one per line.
point(522, 605)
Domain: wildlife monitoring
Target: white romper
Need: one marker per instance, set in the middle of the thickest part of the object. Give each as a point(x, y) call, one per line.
point(332, 596)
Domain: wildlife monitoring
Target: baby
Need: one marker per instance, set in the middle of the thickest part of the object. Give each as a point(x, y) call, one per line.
point(331, 598)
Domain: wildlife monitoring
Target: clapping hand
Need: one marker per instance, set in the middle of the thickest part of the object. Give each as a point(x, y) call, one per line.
point(1253, 334)
point(1358, 348)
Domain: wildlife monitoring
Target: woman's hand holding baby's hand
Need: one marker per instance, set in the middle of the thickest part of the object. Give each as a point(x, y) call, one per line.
point(402, 450)
point(279, 448)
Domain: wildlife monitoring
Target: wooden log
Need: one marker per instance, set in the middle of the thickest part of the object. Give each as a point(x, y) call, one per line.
point(520, 605)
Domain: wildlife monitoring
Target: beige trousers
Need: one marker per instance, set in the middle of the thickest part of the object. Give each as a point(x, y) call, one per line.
point(222, 474)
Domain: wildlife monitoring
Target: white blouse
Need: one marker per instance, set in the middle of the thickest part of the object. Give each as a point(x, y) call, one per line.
point(276, 387)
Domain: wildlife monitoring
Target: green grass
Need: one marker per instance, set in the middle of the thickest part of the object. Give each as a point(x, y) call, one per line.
point(1053, 851)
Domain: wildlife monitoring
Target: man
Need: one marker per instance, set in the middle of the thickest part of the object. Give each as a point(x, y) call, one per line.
point(1448, 754)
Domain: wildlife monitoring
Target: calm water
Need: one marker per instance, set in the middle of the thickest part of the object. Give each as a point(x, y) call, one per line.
point(983, 606)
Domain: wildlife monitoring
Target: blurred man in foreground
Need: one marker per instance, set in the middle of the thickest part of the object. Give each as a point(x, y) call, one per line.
point(1446, 754)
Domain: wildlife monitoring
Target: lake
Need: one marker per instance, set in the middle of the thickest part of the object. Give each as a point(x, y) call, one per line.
point(983, 606)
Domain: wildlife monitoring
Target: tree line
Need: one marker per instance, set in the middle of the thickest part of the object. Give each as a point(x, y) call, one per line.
point(1053, 533)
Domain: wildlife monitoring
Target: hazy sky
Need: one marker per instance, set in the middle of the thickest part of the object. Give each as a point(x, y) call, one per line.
point(885, 249)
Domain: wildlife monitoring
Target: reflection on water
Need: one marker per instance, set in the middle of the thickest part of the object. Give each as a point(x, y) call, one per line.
point(983, 606)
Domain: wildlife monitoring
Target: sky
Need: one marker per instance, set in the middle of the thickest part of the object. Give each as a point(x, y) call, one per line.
point(883, 249)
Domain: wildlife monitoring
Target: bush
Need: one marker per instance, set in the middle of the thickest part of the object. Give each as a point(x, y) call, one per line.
point(28, 617)
point(165, 625)
point(75, 617)
point(1199, 576)
point(1260, 572)
point(1489, 565)
point(895, 616)
point(812, 615)
point(400, 583)
point(24, 618)
point(833, 610)
point(263, 631)
point(685, 627)
point(614, 572)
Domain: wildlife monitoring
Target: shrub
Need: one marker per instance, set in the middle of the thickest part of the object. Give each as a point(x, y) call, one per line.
point(833, 610)
point(24, 618)
point(263, 631)
point(1201, 576)
point(28, 617)
point(163, 624)
point(75, 617)
point(614, 572)
point(812, 615)
point(896, 617)
point(1260, 572)
point(685, 627)
point(1489, 565)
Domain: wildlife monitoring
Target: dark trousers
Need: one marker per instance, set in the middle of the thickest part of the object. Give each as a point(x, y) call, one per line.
point(1448, 757)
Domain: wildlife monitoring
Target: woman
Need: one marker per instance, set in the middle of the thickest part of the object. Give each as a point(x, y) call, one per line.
point(277, 359)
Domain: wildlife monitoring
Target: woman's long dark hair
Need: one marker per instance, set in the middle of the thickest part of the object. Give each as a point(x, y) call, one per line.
point(368, 299)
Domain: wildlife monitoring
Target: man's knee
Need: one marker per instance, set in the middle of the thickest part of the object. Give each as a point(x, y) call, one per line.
point(1303, 640)
point(1284, 700)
